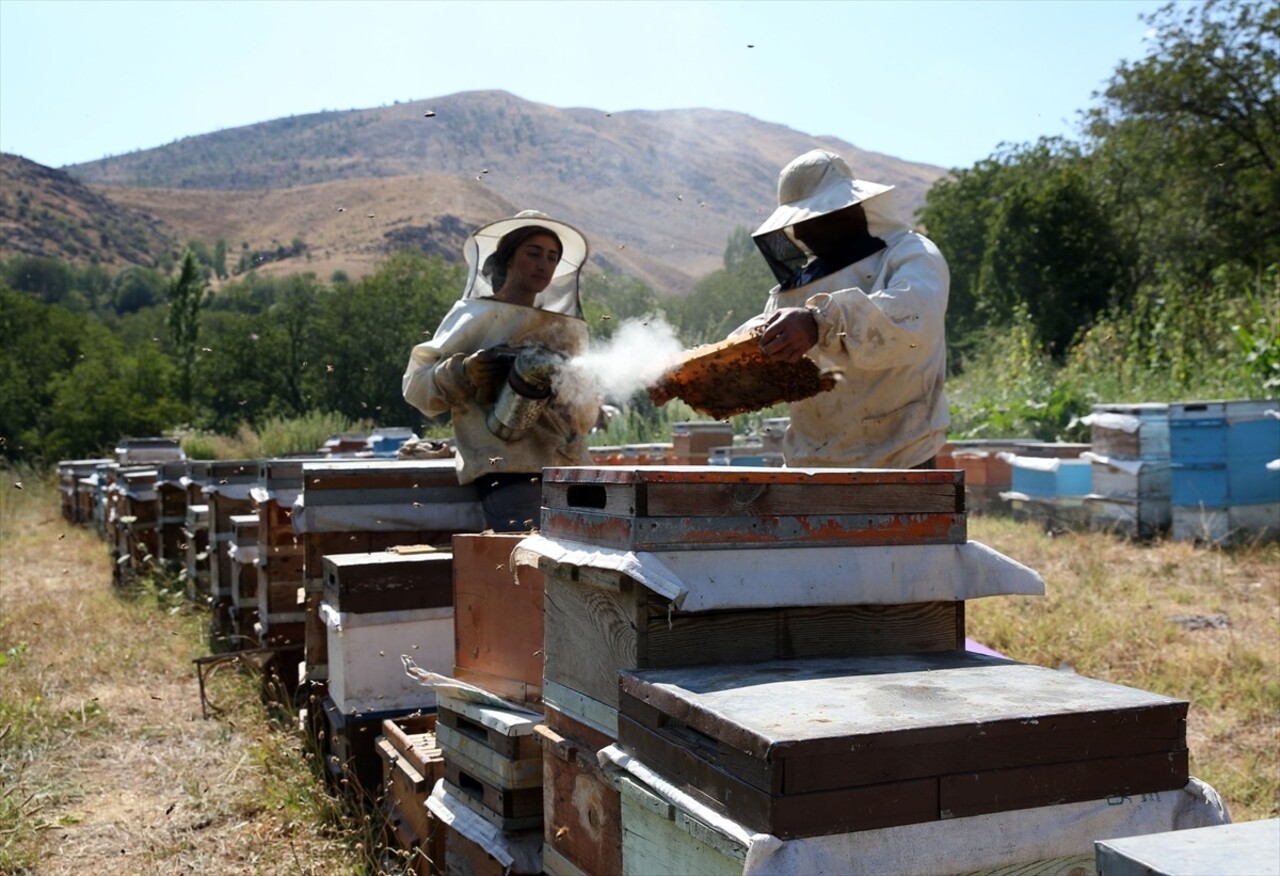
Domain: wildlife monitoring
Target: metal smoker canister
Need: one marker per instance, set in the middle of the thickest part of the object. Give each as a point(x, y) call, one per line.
point(525, 393)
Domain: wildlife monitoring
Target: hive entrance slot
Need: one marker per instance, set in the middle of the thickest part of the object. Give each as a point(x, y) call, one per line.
point(587, 496)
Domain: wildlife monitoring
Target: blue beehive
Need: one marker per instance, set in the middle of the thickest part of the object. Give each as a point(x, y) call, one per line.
point(1050, 478)
point(1220, 450)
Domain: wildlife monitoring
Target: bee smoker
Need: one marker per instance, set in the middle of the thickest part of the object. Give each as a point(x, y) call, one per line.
point(525, 393)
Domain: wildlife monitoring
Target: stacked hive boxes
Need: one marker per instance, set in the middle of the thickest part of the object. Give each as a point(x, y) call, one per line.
point(1048, 482)
point(490, 802)
point(173, 512)
point(1129, 455)
point(412, 764)
point(491, 794)
point(377, 607)
point(137, 534)
point(788, 645)
point(986, 473)
point(1225, 482)
point(243, 551)
point(195, 531)
point(102, 478)
point(654, 522)
point(226, 485)
point(76, 493)
point(359, 506)
point(280, 617)
point(692, 441)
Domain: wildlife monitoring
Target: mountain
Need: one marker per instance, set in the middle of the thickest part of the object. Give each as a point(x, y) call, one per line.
point(657, 193)
point(47, 212)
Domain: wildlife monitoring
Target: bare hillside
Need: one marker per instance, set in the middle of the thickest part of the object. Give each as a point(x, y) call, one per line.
point(669, 185)
point(46, 212)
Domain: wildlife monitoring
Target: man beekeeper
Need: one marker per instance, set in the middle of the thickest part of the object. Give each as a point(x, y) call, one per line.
point(864, 295)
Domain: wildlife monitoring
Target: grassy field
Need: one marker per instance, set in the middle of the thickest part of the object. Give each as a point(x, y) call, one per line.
point(106, 765)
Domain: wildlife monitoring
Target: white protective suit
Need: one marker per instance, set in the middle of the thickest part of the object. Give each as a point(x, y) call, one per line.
point(477, 322)
point(881, 323)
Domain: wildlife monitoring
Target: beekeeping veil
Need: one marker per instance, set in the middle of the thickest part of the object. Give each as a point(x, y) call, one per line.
point(815, 184)
point(561, 294)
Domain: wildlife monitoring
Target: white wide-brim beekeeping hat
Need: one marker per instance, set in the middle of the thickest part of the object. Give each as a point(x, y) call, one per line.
point(815, 184)
point(561, 295)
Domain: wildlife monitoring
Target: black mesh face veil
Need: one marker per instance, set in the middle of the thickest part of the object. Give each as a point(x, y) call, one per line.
point(784, 255)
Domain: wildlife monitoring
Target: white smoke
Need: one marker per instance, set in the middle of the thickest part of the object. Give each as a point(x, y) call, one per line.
point(633, 359)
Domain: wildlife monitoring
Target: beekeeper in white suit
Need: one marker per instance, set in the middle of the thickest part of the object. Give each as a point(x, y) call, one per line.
point(499, 363)
point(862, 294)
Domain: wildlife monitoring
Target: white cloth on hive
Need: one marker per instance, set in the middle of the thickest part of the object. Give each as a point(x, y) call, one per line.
point(707, 580)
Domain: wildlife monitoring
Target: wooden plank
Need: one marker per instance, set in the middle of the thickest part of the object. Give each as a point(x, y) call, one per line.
point(404, 793)
point(818, 813)
point(979, 793)
point(581, 807)
point(864, 494)
point(659, 838)
point(583, 734)
point(684, 639)
point(465, 857)
point(414, 738)
point(590, 634)
point(512, 747)
point(499, 623)
point(800, 530)
point(556, 864)
point(489, 803)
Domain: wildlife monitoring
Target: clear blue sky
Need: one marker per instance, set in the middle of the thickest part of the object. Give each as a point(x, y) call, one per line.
point(937, 82)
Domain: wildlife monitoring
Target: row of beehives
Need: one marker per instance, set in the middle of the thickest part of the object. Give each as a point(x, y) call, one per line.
point(691, 651)
point(1202, 471)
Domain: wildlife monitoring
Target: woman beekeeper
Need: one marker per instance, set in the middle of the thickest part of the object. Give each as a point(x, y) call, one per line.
point(499, 363)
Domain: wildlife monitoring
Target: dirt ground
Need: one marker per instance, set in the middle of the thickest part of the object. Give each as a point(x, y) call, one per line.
point(107, 764)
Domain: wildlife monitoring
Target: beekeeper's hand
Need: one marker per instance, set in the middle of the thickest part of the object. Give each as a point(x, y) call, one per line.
point(478, 376)
point(486, 369)
point(789, 334)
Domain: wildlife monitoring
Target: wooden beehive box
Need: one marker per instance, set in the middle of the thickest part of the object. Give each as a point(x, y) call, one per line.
point(582, 812)
point(808, 748)
point(173, 510)
point(598, 622)
point(411, 765)
point(492, 761)
point(227, 486)
point(498, 627)
point(698, 507)
point(393, 580)
point(244, 565)
point(366, 506)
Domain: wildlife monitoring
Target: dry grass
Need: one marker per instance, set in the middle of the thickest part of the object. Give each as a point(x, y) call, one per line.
point(1189, 622)
point(106, 765)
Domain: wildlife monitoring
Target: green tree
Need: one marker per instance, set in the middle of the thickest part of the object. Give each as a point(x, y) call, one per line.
point(111, 392)
point(1050, 252)
point(186, 296)
point(220, 259)
point(40, 341)
point(1187, 140)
